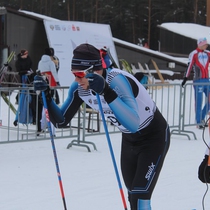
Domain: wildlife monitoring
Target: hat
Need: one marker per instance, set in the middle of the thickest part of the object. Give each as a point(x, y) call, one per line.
point(48, 51)
point(85, 56)
point(23, 52)
point(52, 51)
point(202, 41)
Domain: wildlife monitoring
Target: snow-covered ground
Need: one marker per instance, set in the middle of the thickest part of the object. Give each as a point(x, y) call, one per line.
point(28, 178)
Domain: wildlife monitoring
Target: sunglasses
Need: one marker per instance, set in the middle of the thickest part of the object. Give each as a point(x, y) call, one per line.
point(81, 74)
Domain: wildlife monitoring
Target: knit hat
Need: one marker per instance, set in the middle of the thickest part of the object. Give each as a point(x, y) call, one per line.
point(52, 51)
point(84, 56)
point(202, 41)
point(23, 52)
point(48, 51)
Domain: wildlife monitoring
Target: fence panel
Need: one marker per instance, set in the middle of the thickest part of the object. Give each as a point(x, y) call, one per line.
point(174, 102)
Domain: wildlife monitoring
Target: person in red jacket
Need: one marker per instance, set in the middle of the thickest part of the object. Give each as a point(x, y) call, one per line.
point(199, 60)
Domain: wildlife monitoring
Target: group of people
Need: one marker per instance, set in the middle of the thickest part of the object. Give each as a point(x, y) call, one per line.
point(145, 132)
point(48, 66)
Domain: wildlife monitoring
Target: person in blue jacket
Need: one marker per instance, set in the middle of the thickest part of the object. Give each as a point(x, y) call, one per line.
point(127, 105)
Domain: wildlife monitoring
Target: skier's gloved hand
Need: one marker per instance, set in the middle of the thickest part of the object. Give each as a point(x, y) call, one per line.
point(204, 170)
point(40, 83)
point(97, 83)
point(58, 84)
point(184, 81)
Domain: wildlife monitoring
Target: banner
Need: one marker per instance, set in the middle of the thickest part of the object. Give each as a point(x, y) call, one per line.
point(64, 36)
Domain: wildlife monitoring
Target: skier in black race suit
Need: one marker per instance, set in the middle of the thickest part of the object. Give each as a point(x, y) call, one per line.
point(127, 104)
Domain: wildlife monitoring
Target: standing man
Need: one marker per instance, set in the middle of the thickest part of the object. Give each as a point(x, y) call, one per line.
point(199, 60)
point(23, 66)
point(127, 105)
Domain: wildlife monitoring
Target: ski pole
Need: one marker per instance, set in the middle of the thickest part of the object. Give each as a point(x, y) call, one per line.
point(54, 149)
point(111, 152)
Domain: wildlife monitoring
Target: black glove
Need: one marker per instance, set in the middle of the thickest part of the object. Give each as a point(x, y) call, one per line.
point(15, 123)
point(97, 83)
point(184, 81)
point(58, 84)
point(204, 170)
point(40, 83)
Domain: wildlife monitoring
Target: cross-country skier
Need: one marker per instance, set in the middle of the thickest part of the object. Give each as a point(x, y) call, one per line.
point(127, 104)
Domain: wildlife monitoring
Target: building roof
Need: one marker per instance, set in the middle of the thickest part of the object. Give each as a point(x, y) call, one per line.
point(43, 17)
point(152, 52)
point(190, 30)
point(168, 26)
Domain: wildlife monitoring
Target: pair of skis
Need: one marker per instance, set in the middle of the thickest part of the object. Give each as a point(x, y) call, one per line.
point(5, 66)
point(3, 70)
point(7, 101)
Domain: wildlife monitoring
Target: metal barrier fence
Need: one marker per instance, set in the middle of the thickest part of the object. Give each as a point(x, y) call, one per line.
point(174, 102)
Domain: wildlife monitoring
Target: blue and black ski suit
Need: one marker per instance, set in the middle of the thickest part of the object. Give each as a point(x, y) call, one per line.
point(145, 132)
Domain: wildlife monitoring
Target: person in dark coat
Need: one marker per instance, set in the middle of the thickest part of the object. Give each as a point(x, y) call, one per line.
point(23, 64)
point(24, 68)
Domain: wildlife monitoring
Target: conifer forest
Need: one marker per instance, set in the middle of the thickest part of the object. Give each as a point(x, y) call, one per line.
point(134, 21)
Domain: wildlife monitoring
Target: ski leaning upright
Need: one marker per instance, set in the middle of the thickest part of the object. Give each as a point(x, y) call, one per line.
point(7, 101)
point(3, 70)
point(5, 66)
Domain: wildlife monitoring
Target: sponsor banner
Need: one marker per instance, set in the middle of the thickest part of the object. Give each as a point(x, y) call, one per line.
point(64, 36)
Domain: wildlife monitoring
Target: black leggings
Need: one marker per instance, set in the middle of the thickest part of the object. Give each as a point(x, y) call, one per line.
point(142, 157)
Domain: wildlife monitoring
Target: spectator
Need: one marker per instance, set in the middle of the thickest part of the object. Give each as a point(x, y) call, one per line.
point(23, 67)
point(56, 61)
point(23, 64)
point(47, 67)
point(199, 60)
